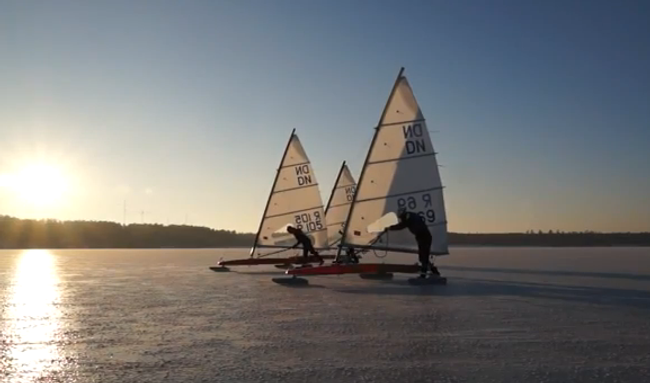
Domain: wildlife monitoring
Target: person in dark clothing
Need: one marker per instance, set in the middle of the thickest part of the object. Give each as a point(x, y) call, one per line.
point(350, 256)
point(304, 240)
point(418, 227)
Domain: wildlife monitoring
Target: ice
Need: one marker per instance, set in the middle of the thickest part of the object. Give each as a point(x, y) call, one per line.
point(506, 315)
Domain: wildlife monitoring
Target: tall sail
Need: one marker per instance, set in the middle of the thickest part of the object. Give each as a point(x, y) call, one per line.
point(339, 204)
point(294, 200)
point(400, 171)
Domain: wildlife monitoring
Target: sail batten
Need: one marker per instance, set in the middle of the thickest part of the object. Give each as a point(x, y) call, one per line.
point(402, 159)
point(286, 166)
point(294, 200)
point(400, 171)
point(398, 123)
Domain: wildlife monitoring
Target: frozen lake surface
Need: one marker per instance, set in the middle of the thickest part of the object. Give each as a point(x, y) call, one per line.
point(506, 315)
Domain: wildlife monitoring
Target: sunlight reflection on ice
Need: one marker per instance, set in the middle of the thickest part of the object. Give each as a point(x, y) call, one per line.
point(32, 320)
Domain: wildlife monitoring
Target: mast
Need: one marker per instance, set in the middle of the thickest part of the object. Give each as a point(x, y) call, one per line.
point(329, 201)
point(336, 183)
point(268, 200)
point(365, 162)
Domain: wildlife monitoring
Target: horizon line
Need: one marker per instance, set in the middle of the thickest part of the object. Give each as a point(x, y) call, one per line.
point(527, 232)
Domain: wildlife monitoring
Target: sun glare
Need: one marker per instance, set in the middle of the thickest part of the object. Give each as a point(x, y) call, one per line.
point(40, 185)
point(32, 318)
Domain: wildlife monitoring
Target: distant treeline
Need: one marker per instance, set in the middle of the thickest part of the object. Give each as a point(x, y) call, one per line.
point(26, 233)
point(555, 239)
point(52, 234)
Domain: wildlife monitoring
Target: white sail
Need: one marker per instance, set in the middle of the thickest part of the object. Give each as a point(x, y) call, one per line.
point(400, 170)
point(339, 204)
point(294, 200)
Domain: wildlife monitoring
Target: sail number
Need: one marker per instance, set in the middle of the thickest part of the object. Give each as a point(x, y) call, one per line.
point(303, 176)
point(423, 206)
point(349, 193)
point(414, 138)
point(309, 221)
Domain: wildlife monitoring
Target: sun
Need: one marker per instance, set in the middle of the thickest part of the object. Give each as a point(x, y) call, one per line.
point(40, 185)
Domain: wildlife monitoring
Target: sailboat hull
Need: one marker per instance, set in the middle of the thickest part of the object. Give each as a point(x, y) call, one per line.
point(298, 260)
point(360, 268)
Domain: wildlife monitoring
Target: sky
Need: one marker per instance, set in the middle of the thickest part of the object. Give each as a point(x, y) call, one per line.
point(539, 110)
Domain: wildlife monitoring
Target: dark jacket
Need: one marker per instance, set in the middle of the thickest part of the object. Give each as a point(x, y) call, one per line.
point(414, 222)
point(301, 237)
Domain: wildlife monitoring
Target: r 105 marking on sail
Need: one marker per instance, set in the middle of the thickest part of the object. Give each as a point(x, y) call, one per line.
point(419, 204)
point(413, 134)
point(308, 221)
point(349, 193)
point(302, 175)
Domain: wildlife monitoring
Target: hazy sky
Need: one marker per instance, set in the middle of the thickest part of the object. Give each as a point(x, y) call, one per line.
point(540, 109)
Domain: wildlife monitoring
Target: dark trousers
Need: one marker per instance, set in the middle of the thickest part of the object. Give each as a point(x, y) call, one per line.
point(308, 248)
point(424, 248)
point(352, 255)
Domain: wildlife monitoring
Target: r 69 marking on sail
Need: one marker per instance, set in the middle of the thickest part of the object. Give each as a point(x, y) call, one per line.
point(422, 206)
point(307, 223)
point(429, 216)
point(406, 203)
point(411, 203)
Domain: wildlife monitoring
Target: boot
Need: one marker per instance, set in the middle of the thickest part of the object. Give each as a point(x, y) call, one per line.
point(423, 271)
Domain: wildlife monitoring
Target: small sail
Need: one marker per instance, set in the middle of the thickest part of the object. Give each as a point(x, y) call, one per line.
point(400, 171)
point(295, 200)
point(339, 204)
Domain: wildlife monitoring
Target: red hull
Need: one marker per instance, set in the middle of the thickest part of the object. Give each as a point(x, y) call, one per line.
point(298, 260)
point(356, 269)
